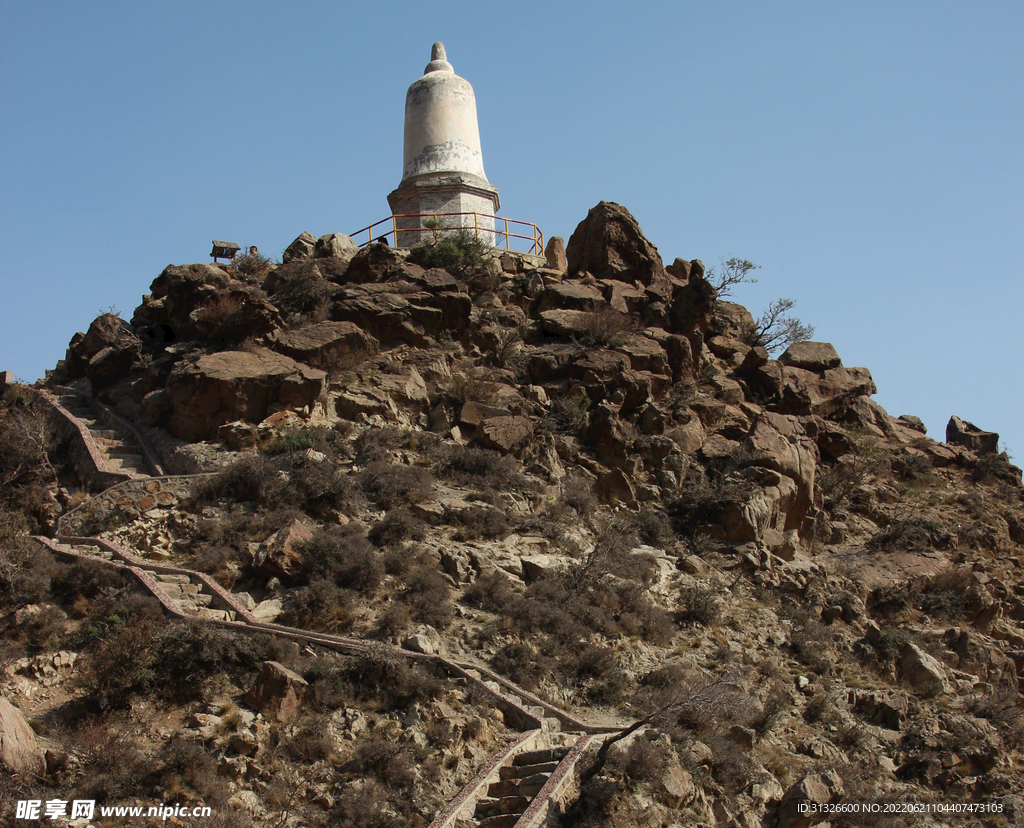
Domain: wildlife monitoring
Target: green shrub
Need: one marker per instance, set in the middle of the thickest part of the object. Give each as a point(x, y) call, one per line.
point(462, 254)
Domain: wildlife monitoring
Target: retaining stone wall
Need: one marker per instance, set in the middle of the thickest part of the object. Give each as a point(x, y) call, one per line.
point(127, 500)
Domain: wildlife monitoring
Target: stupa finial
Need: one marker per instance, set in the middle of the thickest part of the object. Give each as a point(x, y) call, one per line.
point(438, 60)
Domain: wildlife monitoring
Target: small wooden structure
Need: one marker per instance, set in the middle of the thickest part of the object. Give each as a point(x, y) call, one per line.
point(224, 250)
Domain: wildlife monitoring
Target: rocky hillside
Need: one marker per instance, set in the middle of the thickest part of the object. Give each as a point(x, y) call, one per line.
point(583, 472)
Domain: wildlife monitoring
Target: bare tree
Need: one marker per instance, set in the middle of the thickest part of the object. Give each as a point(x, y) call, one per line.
point(775, 331)
point(732, 272)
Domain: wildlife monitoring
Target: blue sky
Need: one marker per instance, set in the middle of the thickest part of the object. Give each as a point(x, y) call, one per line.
point(869, 156)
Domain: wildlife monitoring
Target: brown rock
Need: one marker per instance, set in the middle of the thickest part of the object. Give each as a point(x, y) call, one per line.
point(554, 254)
point(815, 788)
point(504, 434)
point(301, 248)
point(237, 385)
point(105, 353)
point(570, 296)
point(327, 345)
point(374, 263)
point(826, 394)
point(616, 487)
point(961, 433)
point(609, 244)
point(279, 555)
point(811, 356)
point(278, 692)
point(335, 245)
point(19, 749)
point(921, 671)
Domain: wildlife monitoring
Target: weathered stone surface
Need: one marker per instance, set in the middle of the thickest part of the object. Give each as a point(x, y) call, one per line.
point(826, 394)
point(374, 263)
point(554, 254)
point(692, 305)
point(277, 692)
point(280, 554)
point(335, 245)
point(921, 671)
point(610, 244)
point(815, 788)
point(962, 433)
point(20, 751)
point(105, 353)
point(570, 296)
point(616, 487)
point(780, 443)
point(645, 354)
point(301, 248)
point(566, 323)
point(811, 356)
point(505, 434)
point(327, 345)
point(237, 385)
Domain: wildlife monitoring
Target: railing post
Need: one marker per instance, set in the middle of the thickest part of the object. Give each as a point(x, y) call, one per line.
point(506, 235)
point(476, 230)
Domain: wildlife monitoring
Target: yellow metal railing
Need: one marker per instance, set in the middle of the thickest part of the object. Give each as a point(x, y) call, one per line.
point(446, 223)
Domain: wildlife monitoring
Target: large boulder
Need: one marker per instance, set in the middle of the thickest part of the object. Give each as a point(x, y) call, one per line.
point(961, 433)
point(105, 353)
point(610, 244)
point(374, 263)
point(796, 810)
point(327, 345)
point(335, 245)
point(811, 356)
point(19, 750)
point(921, 671)
point(237, 385)
point(277, 692)
point(302, 248)
point(281, 553)
point(780, 443)
point(826, 394)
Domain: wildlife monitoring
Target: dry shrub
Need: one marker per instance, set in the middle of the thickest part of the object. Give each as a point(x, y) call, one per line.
point(521, 663)
point(478, 522)
point(393, 485)
point(698, 605)
point(428, 595)
point(492, 591)
point(324, 486)
point(397, 527)
point(321, 606)
point(477, 467)
point(344, 556)
point(578, 493)
point(111, 763)
point(607, 326)
point(377, 680)
point(253, 479)
point(374, 445)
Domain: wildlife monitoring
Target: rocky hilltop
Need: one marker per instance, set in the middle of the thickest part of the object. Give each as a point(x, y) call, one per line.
point(317, 541)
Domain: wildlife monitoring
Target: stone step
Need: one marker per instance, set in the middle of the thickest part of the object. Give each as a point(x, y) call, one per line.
point(517, 787)
point(171, 578)
point(536, 757)
point(505, 805)
point(504, 821)
point(526, 771)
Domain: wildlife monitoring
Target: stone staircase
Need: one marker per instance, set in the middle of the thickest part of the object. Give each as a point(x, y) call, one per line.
point(116, 444)
point(192, 598)
point(519, 782)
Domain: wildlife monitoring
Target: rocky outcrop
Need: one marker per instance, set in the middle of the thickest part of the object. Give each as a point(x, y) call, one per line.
point(20, 751)
point(278, 692)
point(335, 245)
point(301, 248)
point(281, 554)
point(105, 353)
point(814, 789)
point(961, 433)
point(237, 385)
point(609, 244)
point(327, 345)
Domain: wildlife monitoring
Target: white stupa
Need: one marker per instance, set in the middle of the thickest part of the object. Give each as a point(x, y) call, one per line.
point(443, 167)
